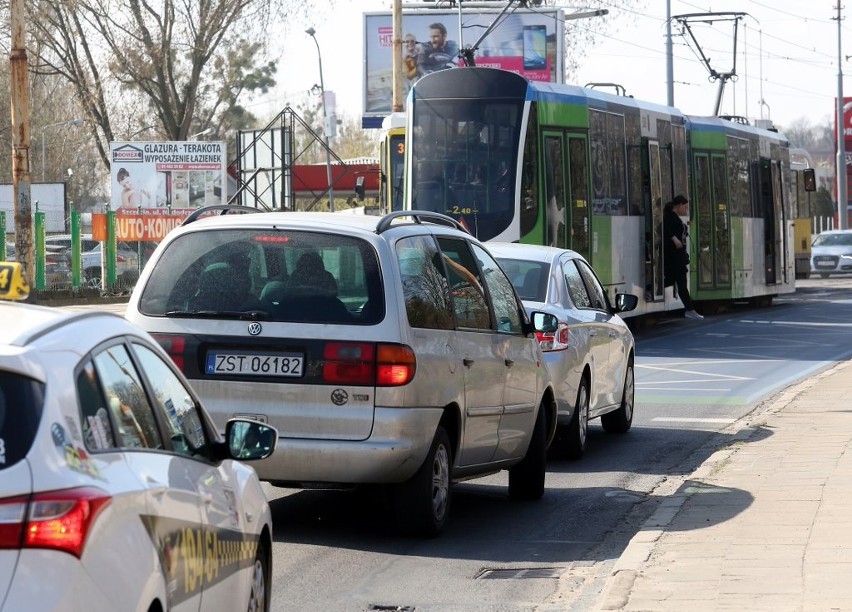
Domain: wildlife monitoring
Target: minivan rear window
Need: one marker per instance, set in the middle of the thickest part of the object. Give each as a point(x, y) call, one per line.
point(269, 275)
point(21, 407)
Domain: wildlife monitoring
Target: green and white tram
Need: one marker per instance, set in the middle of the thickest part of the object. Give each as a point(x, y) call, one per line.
point(580, 168)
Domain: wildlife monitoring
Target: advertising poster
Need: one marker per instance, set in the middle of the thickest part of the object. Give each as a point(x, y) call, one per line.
point(166, 176)
point(527, 43)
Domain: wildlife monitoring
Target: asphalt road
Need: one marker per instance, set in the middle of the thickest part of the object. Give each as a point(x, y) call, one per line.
point(337, 550)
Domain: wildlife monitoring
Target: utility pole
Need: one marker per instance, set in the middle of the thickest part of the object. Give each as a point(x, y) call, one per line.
point(397, 56)
point(842, 173)
point(20, 103)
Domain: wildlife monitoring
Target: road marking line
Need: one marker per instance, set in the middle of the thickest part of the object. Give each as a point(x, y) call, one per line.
point(693, 420)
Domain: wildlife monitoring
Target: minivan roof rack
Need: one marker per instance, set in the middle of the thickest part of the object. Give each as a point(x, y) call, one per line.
point(225, 208)
point(418, 216)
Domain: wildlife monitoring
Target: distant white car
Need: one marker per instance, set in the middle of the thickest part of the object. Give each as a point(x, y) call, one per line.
point(589, 352)
point(116, 491)
point(831, 253)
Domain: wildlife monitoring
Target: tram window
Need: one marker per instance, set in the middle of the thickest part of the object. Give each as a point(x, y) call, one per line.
point(809, 176)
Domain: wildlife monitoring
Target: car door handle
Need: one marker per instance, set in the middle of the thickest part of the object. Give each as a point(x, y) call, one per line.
point(593, 332)
point(207, 498)
point(510, 362)
point(467, 362)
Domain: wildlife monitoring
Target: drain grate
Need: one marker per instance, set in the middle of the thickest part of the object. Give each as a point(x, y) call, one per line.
point(381, 608)
point(523, 572)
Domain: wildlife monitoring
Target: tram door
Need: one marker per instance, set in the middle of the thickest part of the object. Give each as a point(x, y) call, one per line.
point(654, 226)
point(771, 211)
point(710, 231)
point(566, 191)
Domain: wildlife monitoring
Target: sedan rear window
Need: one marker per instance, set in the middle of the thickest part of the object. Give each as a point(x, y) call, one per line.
point(21, 407)
point(528, 277)
point(268, 275)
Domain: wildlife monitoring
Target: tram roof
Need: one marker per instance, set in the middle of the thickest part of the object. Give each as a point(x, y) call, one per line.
point(720, 124)
point(595, 98)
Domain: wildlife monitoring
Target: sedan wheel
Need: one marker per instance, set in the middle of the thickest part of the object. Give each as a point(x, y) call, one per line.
point(578, 428)
point(258, 597)
point(621, 419)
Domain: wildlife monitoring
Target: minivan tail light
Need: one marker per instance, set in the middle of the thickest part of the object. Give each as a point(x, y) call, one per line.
point(395, 365)
point(349, 363)
point(58, 520)
point(553, 341)
point(174, 345)
point(364, 363)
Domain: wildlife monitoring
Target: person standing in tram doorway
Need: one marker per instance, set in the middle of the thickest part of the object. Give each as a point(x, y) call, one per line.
point(676, 253)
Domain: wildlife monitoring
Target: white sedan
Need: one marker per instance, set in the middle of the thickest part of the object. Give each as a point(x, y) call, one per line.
point(589, 351)
point(116, 491)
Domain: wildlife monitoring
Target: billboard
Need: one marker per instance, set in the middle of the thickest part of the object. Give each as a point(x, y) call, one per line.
point(528, 43)
point(48, 198)
point(172, 175)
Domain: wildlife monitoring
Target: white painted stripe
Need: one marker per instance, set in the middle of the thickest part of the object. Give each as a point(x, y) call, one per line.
point(715, 389)
point(802, 323)
point(691, 420)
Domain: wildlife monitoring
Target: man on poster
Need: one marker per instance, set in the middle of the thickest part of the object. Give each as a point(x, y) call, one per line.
point(439, 53)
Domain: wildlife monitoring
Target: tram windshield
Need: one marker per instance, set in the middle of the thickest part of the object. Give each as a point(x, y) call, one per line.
point(464, 155)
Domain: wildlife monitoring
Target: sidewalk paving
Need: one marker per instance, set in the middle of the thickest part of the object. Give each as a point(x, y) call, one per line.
point(763, 524)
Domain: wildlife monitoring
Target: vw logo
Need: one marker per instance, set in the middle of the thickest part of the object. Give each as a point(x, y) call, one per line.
point(339, 397)
point(254, 328)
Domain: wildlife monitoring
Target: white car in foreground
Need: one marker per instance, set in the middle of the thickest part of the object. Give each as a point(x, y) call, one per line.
point(116, 491)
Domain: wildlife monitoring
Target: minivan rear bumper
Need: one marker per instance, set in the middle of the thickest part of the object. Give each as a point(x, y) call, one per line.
point(397, 446)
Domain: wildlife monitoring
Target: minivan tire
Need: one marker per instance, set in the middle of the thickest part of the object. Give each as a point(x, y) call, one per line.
point(526, 479)
point(422, 503)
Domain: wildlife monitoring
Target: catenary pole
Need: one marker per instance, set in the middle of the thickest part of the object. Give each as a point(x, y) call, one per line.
point(20, 104)
point(842, 195)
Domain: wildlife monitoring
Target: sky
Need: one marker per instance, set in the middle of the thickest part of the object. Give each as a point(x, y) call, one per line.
point(786, 60)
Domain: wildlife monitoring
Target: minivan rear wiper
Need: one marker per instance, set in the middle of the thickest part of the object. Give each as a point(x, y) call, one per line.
point(242, 315)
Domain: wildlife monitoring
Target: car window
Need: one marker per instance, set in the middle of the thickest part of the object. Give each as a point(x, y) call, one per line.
point(576, 287)
point(506, 308)
point(126, 399)
point(174, 403)
point(98, 431)
point(843, 239)
point(424, 283)
point(466, 286)
point(21, 407)
point(528, 277)
point(293, 276)
point(597, 294)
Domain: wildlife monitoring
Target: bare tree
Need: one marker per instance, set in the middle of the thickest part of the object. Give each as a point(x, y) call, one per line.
point(157, 66)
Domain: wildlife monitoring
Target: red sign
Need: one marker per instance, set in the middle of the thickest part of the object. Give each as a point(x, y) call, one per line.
point(136, 227)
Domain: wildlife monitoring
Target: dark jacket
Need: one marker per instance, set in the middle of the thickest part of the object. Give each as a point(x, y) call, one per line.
point(675, 260)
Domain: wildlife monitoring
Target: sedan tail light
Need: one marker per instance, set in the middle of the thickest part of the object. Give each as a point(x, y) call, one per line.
point(553, 341)
point(60, 520)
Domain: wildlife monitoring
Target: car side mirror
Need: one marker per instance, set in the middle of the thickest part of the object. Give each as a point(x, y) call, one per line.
point(250, 440)
point(544, 322)
point(625, 302)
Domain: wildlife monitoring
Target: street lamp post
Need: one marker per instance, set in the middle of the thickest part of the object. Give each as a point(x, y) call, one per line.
point(75, 122)
point(326, 127)
point(201, 133)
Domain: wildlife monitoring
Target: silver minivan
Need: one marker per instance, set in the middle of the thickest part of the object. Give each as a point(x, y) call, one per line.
point(387, 351)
